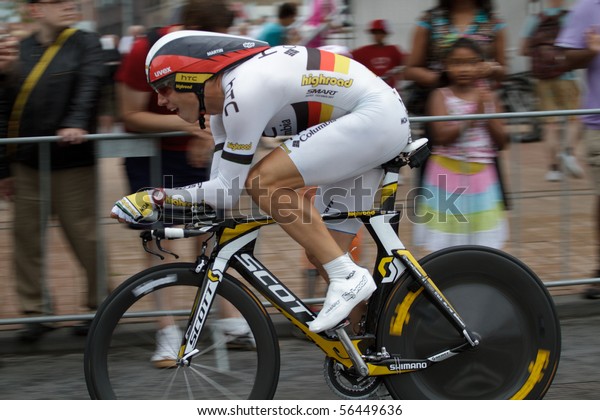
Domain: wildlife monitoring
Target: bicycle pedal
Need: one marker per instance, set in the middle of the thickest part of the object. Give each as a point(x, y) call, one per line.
point(332, 332)
point(342, 324)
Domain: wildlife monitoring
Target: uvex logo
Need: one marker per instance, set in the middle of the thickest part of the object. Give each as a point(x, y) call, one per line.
point(162, 72)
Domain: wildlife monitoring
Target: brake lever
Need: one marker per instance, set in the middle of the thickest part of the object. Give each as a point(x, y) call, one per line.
point(166, 251)
point(145, 241)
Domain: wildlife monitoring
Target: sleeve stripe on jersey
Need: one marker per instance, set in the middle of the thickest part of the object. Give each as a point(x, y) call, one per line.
point(327, 61)
point(219, 147)
point(235, 158)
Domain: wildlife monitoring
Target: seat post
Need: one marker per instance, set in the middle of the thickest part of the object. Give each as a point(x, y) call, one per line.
point(389, 188)
point(414, 155)
point(389, 185)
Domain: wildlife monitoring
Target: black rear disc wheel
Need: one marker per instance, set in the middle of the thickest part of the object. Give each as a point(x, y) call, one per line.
point(502, 301)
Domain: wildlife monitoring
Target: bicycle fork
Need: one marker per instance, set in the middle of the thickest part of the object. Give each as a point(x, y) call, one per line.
point(202, 303)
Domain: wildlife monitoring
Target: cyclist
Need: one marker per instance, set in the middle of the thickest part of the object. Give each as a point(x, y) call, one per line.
point(344, 122)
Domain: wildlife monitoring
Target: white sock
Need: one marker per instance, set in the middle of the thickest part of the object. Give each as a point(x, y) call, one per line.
point(339, 267)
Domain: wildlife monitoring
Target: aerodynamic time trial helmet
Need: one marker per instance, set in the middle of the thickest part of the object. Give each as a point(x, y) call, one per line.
point(185, 60)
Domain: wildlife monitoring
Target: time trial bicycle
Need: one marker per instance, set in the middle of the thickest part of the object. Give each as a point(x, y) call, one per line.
point(466, 322)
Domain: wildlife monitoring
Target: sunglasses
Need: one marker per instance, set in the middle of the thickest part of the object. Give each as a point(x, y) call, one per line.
point(164, 87)
point(170, 84)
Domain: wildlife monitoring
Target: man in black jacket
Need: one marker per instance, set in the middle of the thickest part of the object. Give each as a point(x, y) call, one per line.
point(59, 73)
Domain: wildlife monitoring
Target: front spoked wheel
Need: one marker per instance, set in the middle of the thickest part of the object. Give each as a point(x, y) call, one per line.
point(134, 339)
point(502, 301)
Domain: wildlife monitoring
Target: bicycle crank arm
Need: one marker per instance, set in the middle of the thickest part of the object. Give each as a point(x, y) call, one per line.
point(357, 360)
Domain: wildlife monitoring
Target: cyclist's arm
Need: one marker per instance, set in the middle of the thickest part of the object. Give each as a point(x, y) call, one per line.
point(224, 188)
point(240, 135)
point(219, 136)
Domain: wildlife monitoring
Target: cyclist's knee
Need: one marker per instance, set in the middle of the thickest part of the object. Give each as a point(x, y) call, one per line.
point(260, 182)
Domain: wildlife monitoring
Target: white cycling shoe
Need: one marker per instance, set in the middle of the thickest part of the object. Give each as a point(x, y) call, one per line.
point(343, 295)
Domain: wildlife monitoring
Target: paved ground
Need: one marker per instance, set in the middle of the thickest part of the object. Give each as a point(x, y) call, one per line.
point(54, 369)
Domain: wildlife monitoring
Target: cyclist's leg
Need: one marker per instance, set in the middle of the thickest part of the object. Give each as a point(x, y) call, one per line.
point(325, 155)
point(273, 185)
point(345, 241)
point(278, 196)
point(312, 269)
point(309, 159)
point(352, 194)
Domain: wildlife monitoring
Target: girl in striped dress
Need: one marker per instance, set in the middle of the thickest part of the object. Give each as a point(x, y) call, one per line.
point(462, 200)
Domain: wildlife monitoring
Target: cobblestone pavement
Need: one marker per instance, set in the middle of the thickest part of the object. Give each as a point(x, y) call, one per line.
point(59, 375)
point(551, 230)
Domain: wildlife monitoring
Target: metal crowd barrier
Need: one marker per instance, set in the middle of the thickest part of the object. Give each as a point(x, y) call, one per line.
point(130, 145)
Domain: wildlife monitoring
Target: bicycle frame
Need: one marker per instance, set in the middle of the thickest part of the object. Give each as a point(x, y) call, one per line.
point(235, 249)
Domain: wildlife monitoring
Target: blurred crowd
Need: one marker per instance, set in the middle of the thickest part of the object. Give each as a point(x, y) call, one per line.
point(57, 80)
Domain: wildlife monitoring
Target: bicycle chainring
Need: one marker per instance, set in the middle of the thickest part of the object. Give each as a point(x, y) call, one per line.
point(346, 384)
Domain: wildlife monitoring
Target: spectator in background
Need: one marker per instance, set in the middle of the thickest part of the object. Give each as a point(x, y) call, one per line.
point(54, 95)
point(580, 37)
point(385, 60)
point(126, 42)
point(279, 32)
point(320, 21)
point(438, 28)
point(255, 26)
point(463, 160)
point(9, 58)
point(556, 93)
